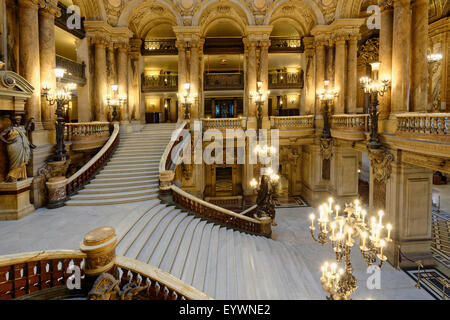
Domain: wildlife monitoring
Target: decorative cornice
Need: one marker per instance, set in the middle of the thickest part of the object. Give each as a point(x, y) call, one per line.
point(50, 7)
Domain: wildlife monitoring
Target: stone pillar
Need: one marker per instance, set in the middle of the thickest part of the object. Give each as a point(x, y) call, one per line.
point(264, 73)
point(29, 54)
point(85, 99)
point(182, 74)
point(408, 209)
point(134, 78)
point(47, 53)
point(111, 65)
point(385, 57)
point(352, 78)
point(122, 77)
point(344, 171)
point(251, 77)
point(330, 64)
point(101, 79)
point(310, 88)
point(419, 67)
point(320, 70)
point(340, 79)
point(195, 77)
point(401, 49)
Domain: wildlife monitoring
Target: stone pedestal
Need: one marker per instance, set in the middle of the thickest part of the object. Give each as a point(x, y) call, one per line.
point(56, 192)
point(15, 200)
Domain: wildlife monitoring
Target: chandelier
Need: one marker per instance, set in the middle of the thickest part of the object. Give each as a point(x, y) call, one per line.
point(342, 232)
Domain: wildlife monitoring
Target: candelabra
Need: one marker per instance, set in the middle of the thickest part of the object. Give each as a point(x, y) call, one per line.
point(115, 101)
point(342, 231)
point(259, 97)
point(187, 99)
point(327, 95)
point(374, 87)
point(61, 98)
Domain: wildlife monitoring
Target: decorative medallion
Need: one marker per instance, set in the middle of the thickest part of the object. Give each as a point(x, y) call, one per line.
point(369, 51)
point(259, 4)
point(380, 162)
point(187, 4)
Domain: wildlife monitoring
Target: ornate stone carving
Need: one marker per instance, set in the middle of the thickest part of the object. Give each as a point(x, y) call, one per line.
point(113, 10)
point(50, 6)
point(369, 51)
point(380, 162)
point(186, 170)
point(326, 148)
point(106, 287)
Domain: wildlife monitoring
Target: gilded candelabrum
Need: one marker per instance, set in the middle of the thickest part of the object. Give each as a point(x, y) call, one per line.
point(342, 232)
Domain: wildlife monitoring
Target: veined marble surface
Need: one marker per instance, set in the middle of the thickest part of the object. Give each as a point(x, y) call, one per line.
point(64, 228)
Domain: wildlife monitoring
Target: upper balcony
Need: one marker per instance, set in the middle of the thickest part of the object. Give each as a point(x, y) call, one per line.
point(224, 81)
point(159, 47)
point(75, 72)
point(286, 45)
point(286, 80)
point(159, 83)
point(350, 126)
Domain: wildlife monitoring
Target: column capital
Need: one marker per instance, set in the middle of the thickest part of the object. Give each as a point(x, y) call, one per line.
point(49, 7)
point(122, 46)
point(386, 4)
point(101, 41)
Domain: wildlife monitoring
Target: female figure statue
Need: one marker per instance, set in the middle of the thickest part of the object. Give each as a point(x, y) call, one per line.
point(18, 146)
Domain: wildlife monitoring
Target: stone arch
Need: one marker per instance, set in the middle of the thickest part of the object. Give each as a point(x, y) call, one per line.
point(277, 7)
point(136, 7)
point(211, 10)
point(90, 9)
point(239, 26)
point(348, 8)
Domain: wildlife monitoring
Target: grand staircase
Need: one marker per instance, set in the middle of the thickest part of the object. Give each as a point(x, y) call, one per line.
point(132, 174)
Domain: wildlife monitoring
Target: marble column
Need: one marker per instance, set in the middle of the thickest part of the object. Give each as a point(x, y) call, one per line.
point(111, 65)
point(264, 73)
point(310, 88)
point(101, 79)
point(29, 54)
point(122, 77)
point(330, 68)
point(385, 56)
point(47, 54)
point(251, 77)
point(136, 107)
point(352, 78)
point(340, 79)
point(194, 78)
point(401, 49)
point(182, 75)
point(320, 70)
point(419, 63)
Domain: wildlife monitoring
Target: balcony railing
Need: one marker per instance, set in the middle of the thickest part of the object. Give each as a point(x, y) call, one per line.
point(87, 136)
point(224, 123)
point(224, 81)
point(159, 83)
point(159, 47)
point(75, 72)
point(298, 122)
point(351, 122)
point(426, 126)
point(286, 80)
point(286, 45)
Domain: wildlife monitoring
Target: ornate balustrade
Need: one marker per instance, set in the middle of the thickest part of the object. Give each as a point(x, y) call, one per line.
point(351, 122)
point(297, 122)
point(286, 45)
point(83, 130)
point(159, 83)
point(224, 81)
point(159, 47)
point(425, 126)
point(232, 202)
point(27, 274)
point(286, 80)
point(220, 215)
point(224, 123)
point(75, 72)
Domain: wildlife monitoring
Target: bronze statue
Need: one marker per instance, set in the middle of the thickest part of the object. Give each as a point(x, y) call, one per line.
point(265, 201)
point(18, 147)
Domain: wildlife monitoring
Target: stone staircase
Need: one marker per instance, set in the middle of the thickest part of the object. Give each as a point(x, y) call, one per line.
point(132, 174)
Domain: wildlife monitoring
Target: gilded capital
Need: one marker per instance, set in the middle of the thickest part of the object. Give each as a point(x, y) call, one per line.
point(50, 7)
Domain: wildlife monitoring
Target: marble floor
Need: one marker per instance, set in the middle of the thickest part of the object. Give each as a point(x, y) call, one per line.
point(64, 228)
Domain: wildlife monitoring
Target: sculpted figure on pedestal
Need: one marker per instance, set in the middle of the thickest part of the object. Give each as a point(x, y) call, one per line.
point(18, 147)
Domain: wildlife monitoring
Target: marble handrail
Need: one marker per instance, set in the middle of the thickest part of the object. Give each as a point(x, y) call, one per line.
point(85, 129)
point(173, 141)
point(224, 123)
point(425, 125)
point(351, 122)
point(294, 122)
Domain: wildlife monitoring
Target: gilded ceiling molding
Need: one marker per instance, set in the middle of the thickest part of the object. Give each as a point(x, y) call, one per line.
point(302, 16)
point(89, 9)
point(134, 7)
point(205, 8)
point(314, 8)
point(222, 11)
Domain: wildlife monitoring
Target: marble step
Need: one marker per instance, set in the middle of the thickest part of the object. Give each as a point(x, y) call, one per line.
point(153, 161)
point(116, 195)
point(198, 280)
point(123, 174)
point(150, 156)
point(107, 170)
point(124, 180)
point(222, 271)
point(107, 202)
point(133, 165)
point(121, 185)
point(131, 218)
point(211, 264)
point(120, 189)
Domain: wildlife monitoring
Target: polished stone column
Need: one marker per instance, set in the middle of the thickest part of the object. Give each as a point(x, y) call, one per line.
point(352, 78)
point(320, 69)
point(182, 74)
point(340, 68)
point(264, 73)
point(310, 88)
point(419, 63)
point(101, 79)
point(251, 77)
point(196, 48)
point(385, 56)
point(401, 49)
point(122, 77)
point(111, 65)
point(47, 53)
point(330, 67)
point(29, 54)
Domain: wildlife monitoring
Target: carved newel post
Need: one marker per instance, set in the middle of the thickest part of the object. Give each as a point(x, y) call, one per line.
point(165, 183)
point(99, 245)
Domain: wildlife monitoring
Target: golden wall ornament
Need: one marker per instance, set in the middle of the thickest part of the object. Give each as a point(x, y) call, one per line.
point(369, 51)
point(326, 148)
point(380, 162)
point(107, 287)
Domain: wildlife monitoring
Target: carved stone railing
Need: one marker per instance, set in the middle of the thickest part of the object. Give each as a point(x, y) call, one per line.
point(166, 162)
point(87, 135)
point(159, 47)
point(297, 122)
point(75, 72)
point(224, 81)
point(286, 45)
point(27, 274)
point(426, 126)
point(351, 122)
point(286, 80)
point(232, 202)
point(225, 123)
point(62, 189)
point(159, 83)
point(220, 215)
